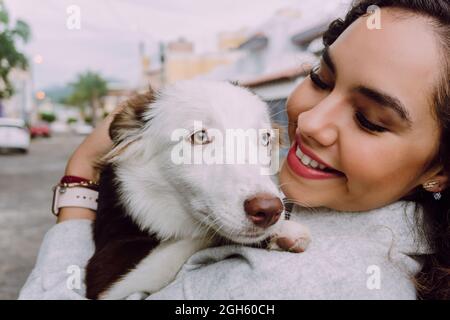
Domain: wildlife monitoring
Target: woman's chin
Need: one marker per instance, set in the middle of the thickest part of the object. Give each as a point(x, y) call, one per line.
point(293, 188)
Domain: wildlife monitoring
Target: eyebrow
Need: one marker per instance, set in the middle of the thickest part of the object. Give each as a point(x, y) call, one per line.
point(380, 98)
point(385, 100)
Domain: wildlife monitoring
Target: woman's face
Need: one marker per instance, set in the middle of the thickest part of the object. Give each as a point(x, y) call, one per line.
point(366, 113)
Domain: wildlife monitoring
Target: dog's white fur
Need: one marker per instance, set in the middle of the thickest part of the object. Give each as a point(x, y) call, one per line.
point(183, 204)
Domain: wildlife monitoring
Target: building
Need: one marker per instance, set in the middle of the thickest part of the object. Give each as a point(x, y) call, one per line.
point(21, 104)
point(117, 93)
point(230, 40)
point(180, 46)
point(179, 61)
point(181, 66)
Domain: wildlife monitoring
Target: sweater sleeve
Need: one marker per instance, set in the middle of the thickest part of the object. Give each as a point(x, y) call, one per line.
point(340, 269)
point(60, 266)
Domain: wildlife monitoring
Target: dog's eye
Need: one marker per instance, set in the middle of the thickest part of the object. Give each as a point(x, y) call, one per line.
point(200, 137)
point(265, 139)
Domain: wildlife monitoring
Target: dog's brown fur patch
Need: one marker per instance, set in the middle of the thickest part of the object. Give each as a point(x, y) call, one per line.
point(126, 124)
point(131, 117)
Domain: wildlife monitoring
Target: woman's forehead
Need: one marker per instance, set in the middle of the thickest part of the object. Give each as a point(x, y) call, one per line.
point(401, 58)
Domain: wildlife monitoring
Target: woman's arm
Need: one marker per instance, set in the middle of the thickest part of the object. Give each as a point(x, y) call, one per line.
point(67, 246)
point(82, 161)
point(59, 270)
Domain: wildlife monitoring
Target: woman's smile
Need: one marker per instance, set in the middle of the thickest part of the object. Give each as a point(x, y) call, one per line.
point(303, 162)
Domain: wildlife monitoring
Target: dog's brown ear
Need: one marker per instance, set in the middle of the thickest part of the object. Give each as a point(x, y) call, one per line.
point(131, 117)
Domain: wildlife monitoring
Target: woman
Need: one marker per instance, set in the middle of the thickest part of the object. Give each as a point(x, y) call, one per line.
point(377, 110)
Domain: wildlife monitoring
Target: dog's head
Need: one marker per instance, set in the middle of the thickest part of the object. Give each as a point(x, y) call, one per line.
point(181, 168)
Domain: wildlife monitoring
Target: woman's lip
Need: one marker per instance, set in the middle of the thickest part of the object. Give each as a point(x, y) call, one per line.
point(301, 170)
point(310, 154)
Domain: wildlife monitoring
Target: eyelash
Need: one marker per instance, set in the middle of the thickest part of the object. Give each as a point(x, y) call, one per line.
point(317, 81)
point(360, 118)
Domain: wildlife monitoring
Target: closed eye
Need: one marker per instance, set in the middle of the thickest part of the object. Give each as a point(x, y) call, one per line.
point(318, 81)
point(366, 124)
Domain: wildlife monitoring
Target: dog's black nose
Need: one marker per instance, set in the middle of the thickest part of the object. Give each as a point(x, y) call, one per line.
point(263, 209)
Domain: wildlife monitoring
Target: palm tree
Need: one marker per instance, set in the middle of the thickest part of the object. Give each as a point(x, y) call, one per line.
point(10, 57)
point(88, 90)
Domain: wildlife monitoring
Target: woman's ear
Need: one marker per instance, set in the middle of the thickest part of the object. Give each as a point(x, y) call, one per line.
point(437, 182)
point(131, 117)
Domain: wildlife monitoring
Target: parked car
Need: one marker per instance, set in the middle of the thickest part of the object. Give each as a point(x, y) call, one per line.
point(40, 130)
point(59, 127)
point(83, 129)
point(14, 135)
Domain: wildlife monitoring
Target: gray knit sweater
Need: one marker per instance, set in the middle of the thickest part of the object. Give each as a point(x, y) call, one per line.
point(359, 255)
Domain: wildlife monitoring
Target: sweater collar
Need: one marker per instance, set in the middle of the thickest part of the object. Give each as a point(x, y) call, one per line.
point(397, 224)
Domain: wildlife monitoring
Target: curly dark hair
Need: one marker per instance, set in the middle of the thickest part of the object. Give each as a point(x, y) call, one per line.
point(433, 281)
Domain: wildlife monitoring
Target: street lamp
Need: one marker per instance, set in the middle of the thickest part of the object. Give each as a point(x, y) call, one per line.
point(38, 59)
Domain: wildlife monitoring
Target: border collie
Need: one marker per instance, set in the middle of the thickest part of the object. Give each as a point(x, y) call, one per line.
point(154, 213)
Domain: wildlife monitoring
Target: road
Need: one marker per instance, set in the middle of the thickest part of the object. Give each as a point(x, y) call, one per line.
point(25, 200)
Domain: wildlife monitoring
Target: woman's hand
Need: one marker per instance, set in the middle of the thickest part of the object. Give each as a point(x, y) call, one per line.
point(82, 164)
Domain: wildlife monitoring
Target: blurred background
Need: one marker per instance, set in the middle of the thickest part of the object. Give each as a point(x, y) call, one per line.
point(64, 65)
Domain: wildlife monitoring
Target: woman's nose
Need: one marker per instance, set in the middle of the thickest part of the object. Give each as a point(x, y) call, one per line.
point(320, 123)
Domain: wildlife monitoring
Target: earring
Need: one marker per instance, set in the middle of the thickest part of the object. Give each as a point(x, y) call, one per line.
point(430, 185)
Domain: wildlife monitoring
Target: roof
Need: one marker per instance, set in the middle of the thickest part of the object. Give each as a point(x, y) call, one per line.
point(257, 42)
point(305, 37)
point(287, 74)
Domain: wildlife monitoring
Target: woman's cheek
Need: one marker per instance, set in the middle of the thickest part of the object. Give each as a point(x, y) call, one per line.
point(377, 171)
point(361, 165)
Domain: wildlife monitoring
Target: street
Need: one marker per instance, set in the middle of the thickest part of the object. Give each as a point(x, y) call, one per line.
point(25, 199)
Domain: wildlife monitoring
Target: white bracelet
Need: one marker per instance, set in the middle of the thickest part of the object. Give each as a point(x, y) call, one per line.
point(73, 197)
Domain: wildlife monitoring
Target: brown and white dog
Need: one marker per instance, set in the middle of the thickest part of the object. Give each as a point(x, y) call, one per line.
point(155, 212)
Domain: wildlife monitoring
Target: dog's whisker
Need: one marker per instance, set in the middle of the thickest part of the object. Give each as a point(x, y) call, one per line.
point(276, 121)
point(302, 204)
point(282, 184)
point(211, 226)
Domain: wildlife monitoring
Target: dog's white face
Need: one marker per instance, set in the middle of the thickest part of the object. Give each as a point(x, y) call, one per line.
point(167, 194)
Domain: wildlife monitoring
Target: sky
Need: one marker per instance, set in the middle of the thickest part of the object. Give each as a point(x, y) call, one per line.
point(110, 31)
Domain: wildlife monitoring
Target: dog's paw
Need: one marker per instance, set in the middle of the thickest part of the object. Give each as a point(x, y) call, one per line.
point(291, 236)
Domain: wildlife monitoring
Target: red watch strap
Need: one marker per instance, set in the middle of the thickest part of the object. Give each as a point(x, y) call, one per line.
point(73, 179)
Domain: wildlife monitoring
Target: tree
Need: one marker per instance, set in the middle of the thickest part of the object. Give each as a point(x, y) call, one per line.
point(10, 56)
point(88, 90)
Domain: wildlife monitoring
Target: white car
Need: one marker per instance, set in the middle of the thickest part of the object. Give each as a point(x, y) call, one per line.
point(83, 129)
point(14, 135)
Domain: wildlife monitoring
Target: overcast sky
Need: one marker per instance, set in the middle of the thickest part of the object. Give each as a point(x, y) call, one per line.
point(111, 30)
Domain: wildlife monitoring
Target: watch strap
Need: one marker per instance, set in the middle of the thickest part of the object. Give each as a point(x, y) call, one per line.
point(74, 197)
